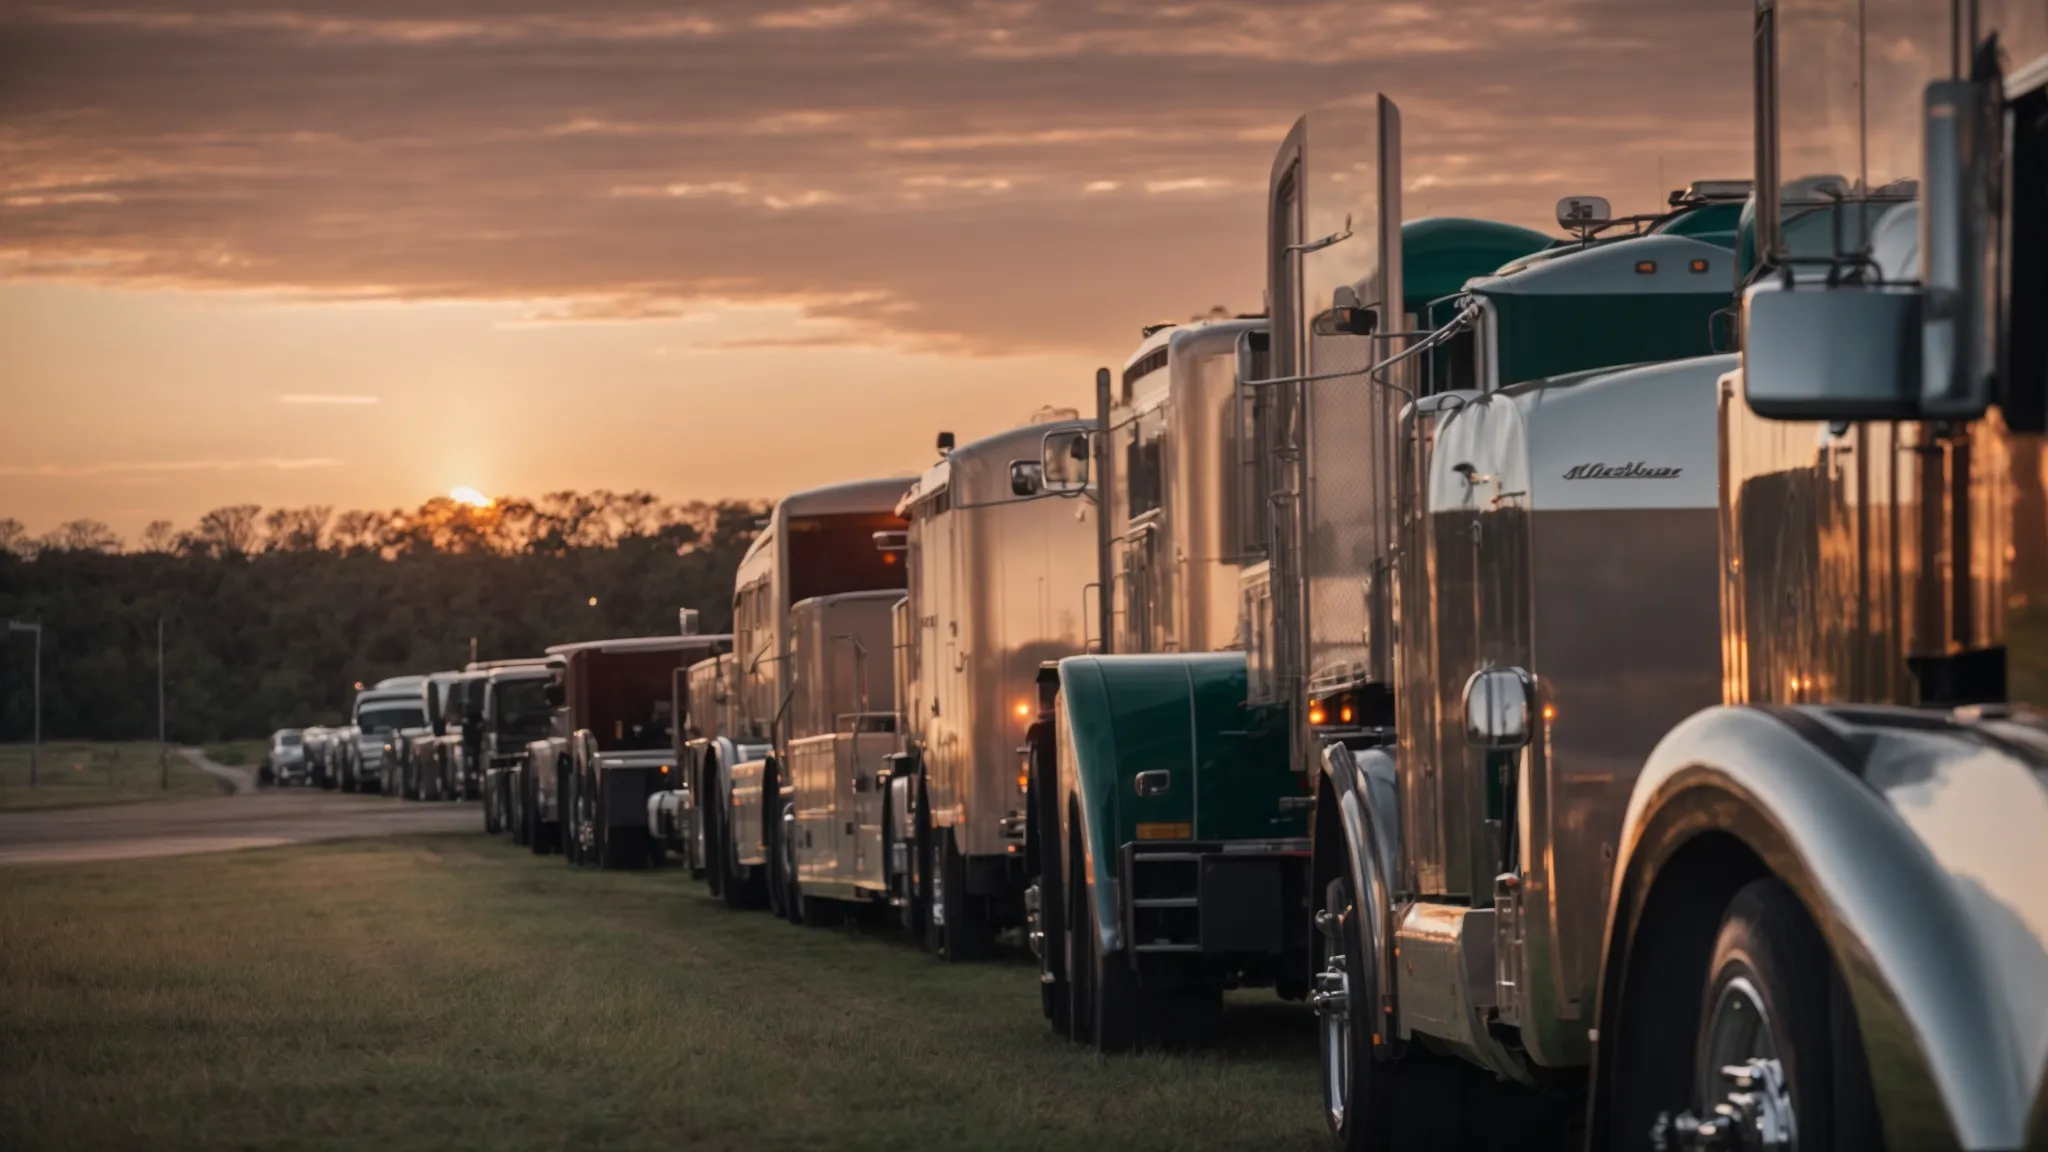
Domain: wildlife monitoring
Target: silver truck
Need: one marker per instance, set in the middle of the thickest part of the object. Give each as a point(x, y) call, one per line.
point(1717, 811)
point(999, 572)
point(817, 543)
point(378, 714)
point(412, 755)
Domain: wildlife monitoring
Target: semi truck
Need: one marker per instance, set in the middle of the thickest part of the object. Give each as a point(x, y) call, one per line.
point(411, 754)
point(709, 740)
point(456, 760)
point(1174, 897)
point(999, 574)
point(1803, 911)
point(515, 712)
point(378, 712)
point(816, 543)
point(616, 748)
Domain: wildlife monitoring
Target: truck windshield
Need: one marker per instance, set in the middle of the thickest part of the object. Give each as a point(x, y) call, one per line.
point(833, 554)
point(382, 718)
point(289, 740)
point(522, 708)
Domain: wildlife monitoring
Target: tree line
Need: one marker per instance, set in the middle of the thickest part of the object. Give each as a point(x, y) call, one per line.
point(270, 617)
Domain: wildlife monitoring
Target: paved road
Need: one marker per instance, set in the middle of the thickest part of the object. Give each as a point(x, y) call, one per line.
point(263, 819)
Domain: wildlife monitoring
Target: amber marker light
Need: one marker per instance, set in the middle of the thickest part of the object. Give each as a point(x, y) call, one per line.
point(1549, 712)
point(1699, 265)
point(1316, 714)
point(1023, 710)
point(1646, 267)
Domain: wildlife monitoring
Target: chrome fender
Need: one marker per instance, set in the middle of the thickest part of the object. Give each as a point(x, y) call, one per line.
point(1920, 849)
point(1368, 809)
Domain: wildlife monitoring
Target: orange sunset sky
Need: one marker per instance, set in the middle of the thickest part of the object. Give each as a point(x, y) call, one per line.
point(358, 252)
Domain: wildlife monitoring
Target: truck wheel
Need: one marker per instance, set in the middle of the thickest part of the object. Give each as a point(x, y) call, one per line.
point(1356, 1099)
point(1775, 1008)
point(348, 779)
point(1103, 1000)
point(740, 890)
point(1080, 972)
point(494, 814)
point(1043, 832)
point(968, 937)
point(536, 828)
point(714, 847)
point(785, 876)
point(928, 921)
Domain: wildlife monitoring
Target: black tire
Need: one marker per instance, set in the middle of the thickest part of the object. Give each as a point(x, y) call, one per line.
point(741, 891)
point(1360, 1124)
point(1766, 938)
point(968, 937)
point(783, 873)
point(928, 928)
point(1043, 840)
point(536, 828)
point(348, 778)
point(1119, 1004)
point(707, 818)
point(519, 810)
point(494, 814)
point(1076, 952)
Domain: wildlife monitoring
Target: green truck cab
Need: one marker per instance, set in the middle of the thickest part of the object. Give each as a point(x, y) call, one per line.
point(1168, 812)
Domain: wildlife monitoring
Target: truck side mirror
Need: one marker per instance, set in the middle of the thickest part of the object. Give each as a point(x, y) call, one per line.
point(1847, 352)
point(1063, 461)
point(1027, 477)
point(1346, 320)
point(557, 694)
point(1497, 706)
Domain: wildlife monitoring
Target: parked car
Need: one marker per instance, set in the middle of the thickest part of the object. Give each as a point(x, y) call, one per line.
point(285, 762)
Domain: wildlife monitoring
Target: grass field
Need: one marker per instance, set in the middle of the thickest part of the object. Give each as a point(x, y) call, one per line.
point(75, 773)
point(456, 992)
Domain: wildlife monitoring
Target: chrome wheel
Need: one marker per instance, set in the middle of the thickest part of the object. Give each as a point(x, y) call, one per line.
point(1741, 1098)
point(1331, 1002)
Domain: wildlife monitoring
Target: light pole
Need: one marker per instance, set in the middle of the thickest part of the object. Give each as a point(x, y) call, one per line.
point(35, 749)
point(163, 752)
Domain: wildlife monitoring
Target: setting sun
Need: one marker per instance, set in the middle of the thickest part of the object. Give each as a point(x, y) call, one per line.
point(469, 496)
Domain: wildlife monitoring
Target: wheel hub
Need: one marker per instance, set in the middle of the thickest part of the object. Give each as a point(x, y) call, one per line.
point(1745, 1101)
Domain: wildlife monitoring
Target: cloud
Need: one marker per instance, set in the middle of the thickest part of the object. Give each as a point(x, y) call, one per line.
point(327, 398)
point(157, 467)
point(946, 163)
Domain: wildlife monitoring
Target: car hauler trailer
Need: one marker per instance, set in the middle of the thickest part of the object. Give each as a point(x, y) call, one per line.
point(819, 542)
point(1789, 927)
point(616, 697)
point(998, 577)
